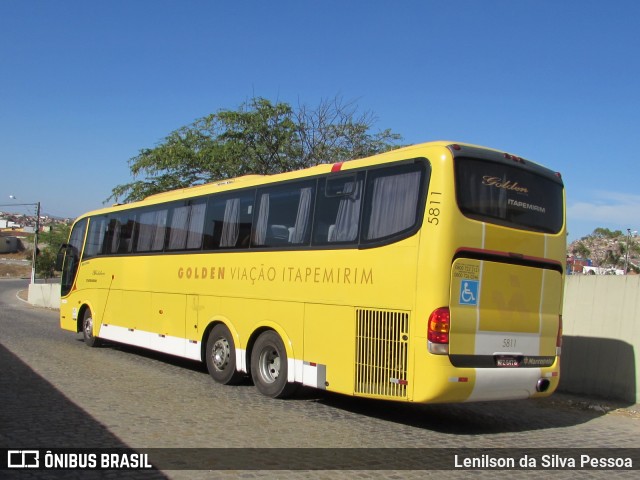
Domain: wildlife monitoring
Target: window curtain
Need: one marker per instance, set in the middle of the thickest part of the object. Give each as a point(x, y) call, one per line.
point(115, 239)
point(393, 204)
point(302, 217)
point(348, 216)
point(179, 222)
point(231, 223)
point(260, 235)
point(196, 225)
point(160, 228)
point(145, 236)
point(147, 231)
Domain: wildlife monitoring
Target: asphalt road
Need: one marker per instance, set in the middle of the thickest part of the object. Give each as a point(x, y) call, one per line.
point(55, 392)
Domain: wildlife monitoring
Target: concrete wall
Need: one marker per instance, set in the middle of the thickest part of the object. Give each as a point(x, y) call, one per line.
point(44, 295)
point(601, 342)
point(9, 244)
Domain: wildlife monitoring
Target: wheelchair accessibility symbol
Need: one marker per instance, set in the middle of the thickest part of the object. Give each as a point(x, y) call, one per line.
point(469, 292)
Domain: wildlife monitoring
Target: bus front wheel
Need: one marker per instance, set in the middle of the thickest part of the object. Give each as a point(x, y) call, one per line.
point(87, 330)
point(221, 356)
point(269, 366)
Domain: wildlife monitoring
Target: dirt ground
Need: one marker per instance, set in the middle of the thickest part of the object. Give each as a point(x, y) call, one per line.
point(10, 268)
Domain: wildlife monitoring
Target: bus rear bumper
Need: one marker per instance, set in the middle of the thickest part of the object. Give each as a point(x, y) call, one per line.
point(510, 384)
point(448, 384)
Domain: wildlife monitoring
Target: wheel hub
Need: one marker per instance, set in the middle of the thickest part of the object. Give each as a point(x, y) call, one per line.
point(270, 365)
point(220, 354)
point(88, 327)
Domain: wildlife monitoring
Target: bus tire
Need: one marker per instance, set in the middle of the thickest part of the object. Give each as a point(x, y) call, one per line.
point(87, 330)
point(269, 366)
point(221, 356)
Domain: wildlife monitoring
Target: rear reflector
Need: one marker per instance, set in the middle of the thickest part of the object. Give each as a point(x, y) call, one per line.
point(459, 379)
point(398, 381)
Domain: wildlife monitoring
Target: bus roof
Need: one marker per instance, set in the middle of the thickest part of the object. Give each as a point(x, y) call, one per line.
point(257, 180)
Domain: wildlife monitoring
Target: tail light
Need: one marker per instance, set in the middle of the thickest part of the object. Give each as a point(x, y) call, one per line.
point(559, 337)
point(438, 331)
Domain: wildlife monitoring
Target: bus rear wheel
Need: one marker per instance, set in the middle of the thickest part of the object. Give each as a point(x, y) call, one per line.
point(269, 368)
point(87, 330)
point(221, 356)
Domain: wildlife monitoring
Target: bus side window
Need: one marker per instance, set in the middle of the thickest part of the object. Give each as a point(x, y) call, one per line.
point(392, 200)
point(118, 235)
point(126, 234)
point(152, 230)
point(284, 215)
point(111, 236)
point(228, 221)
point(337, 215)
point(95, 237)
point(187, 225)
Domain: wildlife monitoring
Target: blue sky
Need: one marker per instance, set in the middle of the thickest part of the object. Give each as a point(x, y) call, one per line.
point(84, 85)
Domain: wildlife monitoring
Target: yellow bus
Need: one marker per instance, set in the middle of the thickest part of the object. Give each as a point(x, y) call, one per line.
point(431, 273)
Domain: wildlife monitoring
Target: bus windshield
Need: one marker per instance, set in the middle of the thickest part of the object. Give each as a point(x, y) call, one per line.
point(509, 195)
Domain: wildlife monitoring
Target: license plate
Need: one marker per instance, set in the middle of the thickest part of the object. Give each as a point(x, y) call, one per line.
point(507, 362)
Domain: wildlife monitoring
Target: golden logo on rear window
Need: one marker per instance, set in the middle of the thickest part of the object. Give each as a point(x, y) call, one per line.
point(505, 184)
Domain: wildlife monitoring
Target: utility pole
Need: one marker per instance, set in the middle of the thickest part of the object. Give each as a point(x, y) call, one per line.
point(35, 244)
point(626, 257)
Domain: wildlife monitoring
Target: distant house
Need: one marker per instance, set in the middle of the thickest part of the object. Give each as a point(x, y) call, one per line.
point(602, 271)
point(576, 265)
point(8, 224)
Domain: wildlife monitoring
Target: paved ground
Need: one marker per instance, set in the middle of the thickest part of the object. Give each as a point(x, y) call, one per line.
point(55, 392)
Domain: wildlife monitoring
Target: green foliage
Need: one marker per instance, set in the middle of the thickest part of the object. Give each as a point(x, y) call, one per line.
point(581, 250)
point(48, 245)
point(606, 233)
point(55, 237)
point(260, 137)
point(45, 263)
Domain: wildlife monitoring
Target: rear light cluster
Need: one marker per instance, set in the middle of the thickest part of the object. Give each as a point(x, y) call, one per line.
point(438, 331)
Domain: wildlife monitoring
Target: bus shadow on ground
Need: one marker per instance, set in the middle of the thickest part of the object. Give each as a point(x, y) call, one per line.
point(176, 361)
point(35, 414)
point(497, 417)
point(469, 418)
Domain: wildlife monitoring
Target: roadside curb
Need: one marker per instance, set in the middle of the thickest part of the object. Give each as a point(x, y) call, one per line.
point(20, 294)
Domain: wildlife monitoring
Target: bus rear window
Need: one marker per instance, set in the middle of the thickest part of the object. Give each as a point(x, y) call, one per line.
point(508, 195)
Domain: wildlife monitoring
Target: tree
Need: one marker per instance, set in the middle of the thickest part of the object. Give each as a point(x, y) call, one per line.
point(49, 244)
point(581, 250)
point(606, 233)
point(260, 137)
point(45, 263)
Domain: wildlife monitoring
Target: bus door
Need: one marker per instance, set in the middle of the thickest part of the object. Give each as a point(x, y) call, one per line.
point(69, 256)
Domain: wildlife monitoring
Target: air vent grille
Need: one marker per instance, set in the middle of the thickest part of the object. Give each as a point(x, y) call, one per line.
point(381, 353)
